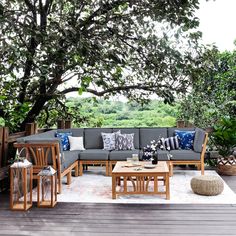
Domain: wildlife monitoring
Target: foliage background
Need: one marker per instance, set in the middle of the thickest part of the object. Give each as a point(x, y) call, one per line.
point(87, 112)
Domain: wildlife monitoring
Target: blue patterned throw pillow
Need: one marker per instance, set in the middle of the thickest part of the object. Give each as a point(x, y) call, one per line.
point(186, 139)
point(64, 140)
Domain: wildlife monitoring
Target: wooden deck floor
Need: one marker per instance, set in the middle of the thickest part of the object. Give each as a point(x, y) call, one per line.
point(121, 219)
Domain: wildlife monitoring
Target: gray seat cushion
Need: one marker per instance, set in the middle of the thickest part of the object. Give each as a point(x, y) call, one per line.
point(163, 155)
point(69, 158)
point(171, 131)
point(182, 155)
point(130, 131)
point(94, 154)
point(146, 135)
point(198, 139)
point(122, 155)
point(93, 137)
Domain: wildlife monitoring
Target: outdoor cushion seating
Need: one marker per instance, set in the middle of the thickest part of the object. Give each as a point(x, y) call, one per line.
point(163, 155)
point(122, 155)
point(69, 157)
point(44, 154)
point(94, 153)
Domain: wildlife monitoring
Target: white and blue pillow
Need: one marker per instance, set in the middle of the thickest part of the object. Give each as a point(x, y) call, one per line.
point(185, 138)
point(64, 140)
point(109, 140)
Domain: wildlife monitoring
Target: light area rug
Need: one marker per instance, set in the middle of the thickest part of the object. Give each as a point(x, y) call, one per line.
point(94, 187)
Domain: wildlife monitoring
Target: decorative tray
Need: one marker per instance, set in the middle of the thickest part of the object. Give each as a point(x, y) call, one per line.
point(132, 165)
point(149, 166)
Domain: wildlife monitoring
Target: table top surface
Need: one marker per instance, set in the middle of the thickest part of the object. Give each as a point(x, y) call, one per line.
point(125, 167)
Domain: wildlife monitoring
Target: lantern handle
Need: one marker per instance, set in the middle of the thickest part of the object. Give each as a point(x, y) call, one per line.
point(18, 153)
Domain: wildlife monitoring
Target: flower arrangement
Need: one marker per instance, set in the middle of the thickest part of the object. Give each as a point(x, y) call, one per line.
point(160, 144)
point(151, 149)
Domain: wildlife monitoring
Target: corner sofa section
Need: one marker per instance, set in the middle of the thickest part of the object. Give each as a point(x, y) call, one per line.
point(68, 159)
point(94, 153)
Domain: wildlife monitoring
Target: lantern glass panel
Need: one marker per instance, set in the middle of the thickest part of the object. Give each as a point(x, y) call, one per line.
point(47, 189)
point(21, 187)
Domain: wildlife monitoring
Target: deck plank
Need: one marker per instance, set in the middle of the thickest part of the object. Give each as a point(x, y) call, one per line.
point(91, 219)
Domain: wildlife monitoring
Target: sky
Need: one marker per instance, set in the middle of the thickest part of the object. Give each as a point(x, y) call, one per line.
point(217, 23)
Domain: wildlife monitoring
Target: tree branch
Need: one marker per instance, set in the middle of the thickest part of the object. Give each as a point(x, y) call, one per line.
point(116, 89)
point(104, 8)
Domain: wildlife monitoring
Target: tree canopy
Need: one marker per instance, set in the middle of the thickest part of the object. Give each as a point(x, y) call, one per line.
point(131, 47)
point(213, 95)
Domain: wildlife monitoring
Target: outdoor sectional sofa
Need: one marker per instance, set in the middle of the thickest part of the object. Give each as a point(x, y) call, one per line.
point(94, 153)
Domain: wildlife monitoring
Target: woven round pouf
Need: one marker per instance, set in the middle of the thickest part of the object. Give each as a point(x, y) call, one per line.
point(208, 185)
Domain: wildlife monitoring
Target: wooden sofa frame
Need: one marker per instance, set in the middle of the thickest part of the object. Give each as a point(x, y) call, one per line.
point(93, 162)
point(40, 154)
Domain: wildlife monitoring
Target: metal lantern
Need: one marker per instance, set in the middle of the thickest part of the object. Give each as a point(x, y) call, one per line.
point(21, 180)
point(47, 187)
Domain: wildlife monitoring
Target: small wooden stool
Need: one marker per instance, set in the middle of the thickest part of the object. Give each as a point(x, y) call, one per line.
point(208, 185)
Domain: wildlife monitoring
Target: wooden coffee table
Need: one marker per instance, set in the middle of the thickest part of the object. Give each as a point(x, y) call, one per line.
point(140, 178)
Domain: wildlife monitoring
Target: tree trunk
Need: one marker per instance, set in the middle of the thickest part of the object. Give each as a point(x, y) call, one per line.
point(34, 112)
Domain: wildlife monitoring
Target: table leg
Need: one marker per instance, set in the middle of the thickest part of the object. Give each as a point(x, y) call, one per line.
point(155, 184)
point(167, 183)
point(125, 184)
point(113, 187)
point(118, 181)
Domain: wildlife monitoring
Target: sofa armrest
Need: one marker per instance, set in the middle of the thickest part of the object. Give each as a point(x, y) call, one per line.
point(49, 140)
point(199, 140)
point(41, 154)
point(204, 147)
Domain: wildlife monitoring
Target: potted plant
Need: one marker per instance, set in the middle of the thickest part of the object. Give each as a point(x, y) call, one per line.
point(224, 139)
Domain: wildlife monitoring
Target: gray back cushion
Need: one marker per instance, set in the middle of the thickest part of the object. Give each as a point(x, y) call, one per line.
point(171, 131)
point(146, 135)
point(130, 131)
point(46, 135)
point(76, 132)
point(198, 140)
point(93, 137)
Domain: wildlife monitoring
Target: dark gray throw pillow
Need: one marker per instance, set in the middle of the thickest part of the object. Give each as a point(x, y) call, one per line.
point(124, 142)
